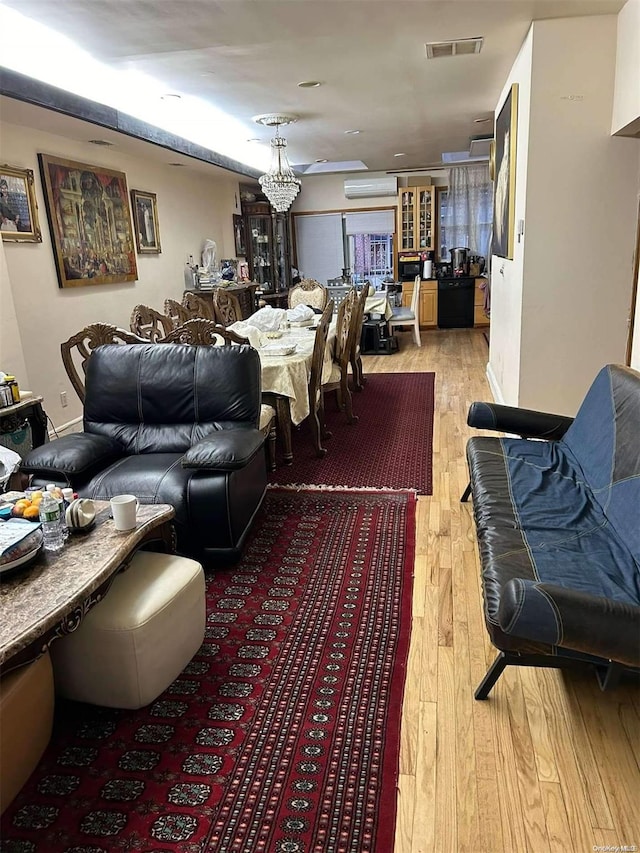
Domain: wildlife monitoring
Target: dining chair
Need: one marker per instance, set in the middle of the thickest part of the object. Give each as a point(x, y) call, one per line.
point(316, 398)
point(226, 307)
point(205, 333)
point(338, 293)
point(148, 323)
point(355, 358)
point(77, 350)
point(338, 379)
point(408, 316)
point(176, 312)
point(308, 292)
point(197, 306)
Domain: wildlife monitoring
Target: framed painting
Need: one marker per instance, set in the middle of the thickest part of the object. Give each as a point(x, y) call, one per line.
point(504, 169)
point(90, 222)
point(18, 207)
point(145, 218)
point(239, 234)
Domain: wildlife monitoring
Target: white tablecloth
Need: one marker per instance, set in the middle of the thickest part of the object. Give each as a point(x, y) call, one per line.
point(288, 375)
point(378, 304)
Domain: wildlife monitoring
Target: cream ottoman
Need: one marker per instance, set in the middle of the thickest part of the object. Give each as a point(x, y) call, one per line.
point(137, 640)
point(26, 719)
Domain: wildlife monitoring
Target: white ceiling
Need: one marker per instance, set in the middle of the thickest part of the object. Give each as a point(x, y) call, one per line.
point(247, 57)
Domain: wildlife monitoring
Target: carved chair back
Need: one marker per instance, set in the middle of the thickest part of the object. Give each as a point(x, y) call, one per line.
point(197, 307)
point(79, 347)
point(308, 292)
point(345, 328)
point(203, 333)
point(317, 359)
point(176, 312)
point(150, 324)
point(226, 307)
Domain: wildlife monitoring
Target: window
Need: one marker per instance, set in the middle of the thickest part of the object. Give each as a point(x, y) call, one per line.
point(465, 214)
point(371, 257)
point(362, 242)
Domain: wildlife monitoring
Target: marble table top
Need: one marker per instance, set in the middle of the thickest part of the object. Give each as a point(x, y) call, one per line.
point(58, 586)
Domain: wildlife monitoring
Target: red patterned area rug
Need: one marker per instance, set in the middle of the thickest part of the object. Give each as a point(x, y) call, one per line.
point(389, 448)
point(282, 734)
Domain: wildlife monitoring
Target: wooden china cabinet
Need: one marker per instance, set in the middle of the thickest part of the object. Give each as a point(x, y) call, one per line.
point(268, 246)
point(416, 215)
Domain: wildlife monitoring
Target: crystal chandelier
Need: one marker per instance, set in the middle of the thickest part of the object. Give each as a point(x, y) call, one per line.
point(279, 184)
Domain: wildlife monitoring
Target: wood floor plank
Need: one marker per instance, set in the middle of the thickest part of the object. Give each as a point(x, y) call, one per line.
point(404, 819)
point(555, 816)
point(541, 739)
point(446, 825)
point(424, 820)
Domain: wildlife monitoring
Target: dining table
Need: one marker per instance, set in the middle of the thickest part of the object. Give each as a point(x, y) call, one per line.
point(285, 375)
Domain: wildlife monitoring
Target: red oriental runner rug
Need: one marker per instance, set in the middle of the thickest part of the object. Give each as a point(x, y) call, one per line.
point(282, 734)
point(389, 448)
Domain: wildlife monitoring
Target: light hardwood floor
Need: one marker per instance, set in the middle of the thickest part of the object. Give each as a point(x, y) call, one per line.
point(548, 762)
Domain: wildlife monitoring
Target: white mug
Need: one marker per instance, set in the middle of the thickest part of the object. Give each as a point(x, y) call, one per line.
point(123, 509)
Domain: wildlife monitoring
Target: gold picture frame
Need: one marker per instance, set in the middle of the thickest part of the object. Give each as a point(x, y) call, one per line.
point(145, 220)
point(90, 222)
point(504, 208)
point(18, 206)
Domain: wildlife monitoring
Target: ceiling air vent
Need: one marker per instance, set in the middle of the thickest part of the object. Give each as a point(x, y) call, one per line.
point(458, 47)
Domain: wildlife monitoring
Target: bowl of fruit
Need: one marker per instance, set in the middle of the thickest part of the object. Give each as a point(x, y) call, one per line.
point(28, 507)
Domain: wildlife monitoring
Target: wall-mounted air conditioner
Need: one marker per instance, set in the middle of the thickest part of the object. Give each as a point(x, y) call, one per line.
point(371, 187)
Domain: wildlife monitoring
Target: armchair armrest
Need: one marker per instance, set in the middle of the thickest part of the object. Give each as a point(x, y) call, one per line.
point(77, 455)
point(226, 450)
point(524, 422)
point(572, 619)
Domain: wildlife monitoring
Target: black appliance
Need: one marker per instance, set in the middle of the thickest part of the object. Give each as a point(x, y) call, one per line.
point(409, 266)
point(456, 297)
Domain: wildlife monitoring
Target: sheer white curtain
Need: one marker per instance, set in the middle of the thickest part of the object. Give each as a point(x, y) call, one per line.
point(469, 212)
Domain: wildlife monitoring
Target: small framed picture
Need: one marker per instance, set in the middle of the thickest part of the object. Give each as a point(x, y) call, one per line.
point(145, 216)
point(18, 208)
point(239, 234)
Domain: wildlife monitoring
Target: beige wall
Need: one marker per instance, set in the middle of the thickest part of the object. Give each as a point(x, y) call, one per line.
point(567, 291)
point(191, 208)
point(326, 192)
point(626, 103)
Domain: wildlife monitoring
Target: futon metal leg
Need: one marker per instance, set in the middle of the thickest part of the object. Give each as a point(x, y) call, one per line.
point(465, 496)
point(609, 677)
point(493, 674)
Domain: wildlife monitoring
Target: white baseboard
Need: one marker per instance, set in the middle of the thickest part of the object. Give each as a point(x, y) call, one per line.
point(70, 426)
point(493, 384)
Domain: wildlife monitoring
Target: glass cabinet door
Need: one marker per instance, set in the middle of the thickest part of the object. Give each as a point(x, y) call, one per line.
point(407, 218)
point(259, 236)
point(282, 252)
point(425, 217)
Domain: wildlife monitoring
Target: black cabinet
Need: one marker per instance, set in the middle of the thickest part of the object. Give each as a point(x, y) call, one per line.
point(268, 247)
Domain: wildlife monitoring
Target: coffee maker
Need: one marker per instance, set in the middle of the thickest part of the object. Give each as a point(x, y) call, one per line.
point(460, 261)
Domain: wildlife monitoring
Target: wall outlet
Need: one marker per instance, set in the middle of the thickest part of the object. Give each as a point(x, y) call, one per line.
point(63, 398)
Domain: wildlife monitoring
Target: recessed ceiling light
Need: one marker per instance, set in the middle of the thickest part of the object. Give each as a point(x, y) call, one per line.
point(309, 84)
point(481, 120)
point(102, 142)
point(352, 132)
point(322, 160)
point(254, 139)
point(400, 154)
point(170, 96)
point(176, 164)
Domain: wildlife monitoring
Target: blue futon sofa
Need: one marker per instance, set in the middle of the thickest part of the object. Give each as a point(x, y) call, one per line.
point(558, 529)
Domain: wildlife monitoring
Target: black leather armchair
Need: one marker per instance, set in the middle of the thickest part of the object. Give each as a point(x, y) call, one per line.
point(171, 424)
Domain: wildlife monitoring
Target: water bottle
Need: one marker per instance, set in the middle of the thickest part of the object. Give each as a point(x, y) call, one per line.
point(50, 521)
point(56, 494)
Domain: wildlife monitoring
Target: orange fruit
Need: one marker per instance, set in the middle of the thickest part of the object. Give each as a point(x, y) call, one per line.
point(32, 513)
point(18, 511)
point(23, 503)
